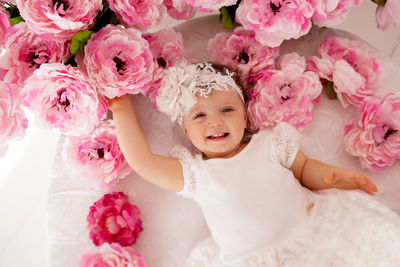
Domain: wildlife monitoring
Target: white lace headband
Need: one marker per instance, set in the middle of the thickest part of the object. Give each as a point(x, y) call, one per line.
point(180, 85)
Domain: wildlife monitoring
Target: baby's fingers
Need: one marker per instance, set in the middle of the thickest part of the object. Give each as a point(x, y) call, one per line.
point(367, 185)
point(117, 103)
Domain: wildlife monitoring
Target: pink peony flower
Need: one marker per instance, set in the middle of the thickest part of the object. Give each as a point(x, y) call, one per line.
point(331, 12)
point(5, 24)
point(13, 122)
point(388, 14)
point(118, 61)
point(113, 219)
point(62, 97)
point(113, 255)
point(375, 139)
point(242, 52)
point(96, 156)
point(26, 51)
point(180, 9)
point(350, 66)
point(285, 94)
point(273, 21)
point(168, 50)
point(59, 19)
point(209, 5)
point(138, 13)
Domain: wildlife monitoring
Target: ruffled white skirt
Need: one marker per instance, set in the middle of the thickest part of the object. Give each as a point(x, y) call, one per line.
point(349, 229)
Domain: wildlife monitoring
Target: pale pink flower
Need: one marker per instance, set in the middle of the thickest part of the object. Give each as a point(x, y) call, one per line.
point(210, 5)
point(331, 12)
point(118, 61)
point(59, 19)
point(26, 51)
point(168, 50)
point(62, 97)
point(287, 94)
point(5, 24)
point(241, 51)
point(113, 255)
point(137, 13)
point(180, 9)
point(351, 67)
point(113, 219)
point(13, 122)
point(375, 138)
point(95, 157)
point(273, 21)
point(388, 14)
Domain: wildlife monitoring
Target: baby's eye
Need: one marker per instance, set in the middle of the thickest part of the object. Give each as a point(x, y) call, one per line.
point(199, 115)
point(227, 110)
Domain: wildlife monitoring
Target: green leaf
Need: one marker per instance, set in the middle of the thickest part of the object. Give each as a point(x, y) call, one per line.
point(79, 41)
point(379, 2)
point(16, 20)
point(227, 21)
point(329, 89)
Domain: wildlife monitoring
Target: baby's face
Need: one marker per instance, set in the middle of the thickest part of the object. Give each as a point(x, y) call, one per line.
point(215, 125)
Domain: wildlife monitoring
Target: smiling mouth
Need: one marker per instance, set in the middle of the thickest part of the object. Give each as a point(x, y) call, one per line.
point(219, 136)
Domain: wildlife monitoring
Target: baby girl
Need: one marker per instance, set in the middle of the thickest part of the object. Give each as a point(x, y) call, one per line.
point(265, 202)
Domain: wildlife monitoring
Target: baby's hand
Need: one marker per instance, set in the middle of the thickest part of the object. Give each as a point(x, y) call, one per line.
point(350, 179)
point(118, 103)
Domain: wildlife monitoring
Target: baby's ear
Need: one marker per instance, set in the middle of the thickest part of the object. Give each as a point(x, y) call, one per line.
point(184, 129)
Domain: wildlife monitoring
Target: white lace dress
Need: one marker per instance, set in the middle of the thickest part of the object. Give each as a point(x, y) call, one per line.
point(260, 215)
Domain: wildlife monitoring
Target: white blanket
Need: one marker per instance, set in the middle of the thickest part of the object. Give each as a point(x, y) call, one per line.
point(172, 224)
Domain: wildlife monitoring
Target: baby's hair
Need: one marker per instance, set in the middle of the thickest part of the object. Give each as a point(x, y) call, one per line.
point(223, 70)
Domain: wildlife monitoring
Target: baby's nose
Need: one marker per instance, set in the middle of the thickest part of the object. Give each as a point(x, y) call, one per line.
point(215, 123)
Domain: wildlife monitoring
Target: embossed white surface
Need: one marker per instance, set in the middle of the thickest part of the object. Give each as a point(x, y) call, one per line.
point(171, 223)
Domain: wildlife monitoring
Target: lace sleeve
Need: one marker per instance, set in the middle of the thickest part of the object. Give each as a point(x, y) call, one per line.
point(186, 159)
point(285, 139)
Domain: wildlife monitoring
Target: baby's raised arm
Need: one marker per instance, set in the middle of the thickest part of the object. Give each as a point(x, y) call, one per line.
point(317, 175)
point(165, 172)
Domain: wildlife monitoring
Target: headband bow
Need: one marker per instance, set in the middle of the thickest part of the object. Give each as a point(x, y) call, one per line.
point(180, 85)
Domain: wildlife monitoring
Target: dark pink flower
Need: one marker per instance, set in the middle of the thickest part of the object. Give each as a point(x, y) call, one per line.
point(274, 21)
point(113, 219)
point(375, 138)
point(26, 51)
point(138, 13)
point(5, 24)
point(168, 50)
point(62, 97)
point(285, 94)
point(241, 51)
point(118, 61)
point(96, 157)
point(113, 255)
point(351, 67)
point(59, 19)
point(13, 122)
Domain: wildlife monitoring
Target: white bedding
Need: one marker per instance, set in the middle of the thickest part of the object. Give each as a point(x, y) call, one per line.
point(171, 223)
